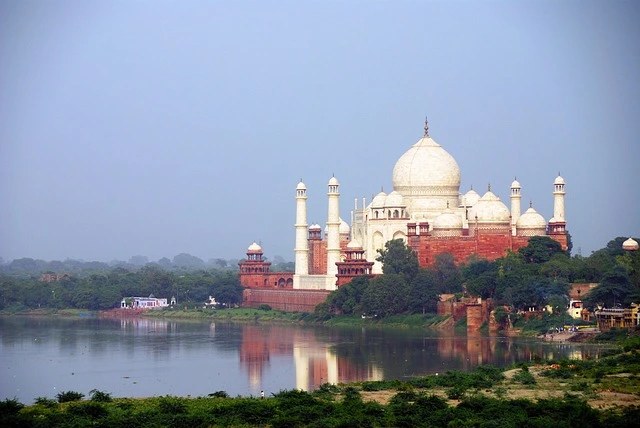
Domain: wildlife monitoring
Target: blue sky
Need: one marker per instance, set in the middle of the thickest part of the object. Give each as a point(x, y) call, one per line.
point(161, 127)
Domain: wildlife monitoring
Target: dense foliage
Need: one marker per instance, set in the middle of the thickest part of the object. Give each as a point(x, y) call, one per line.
point(537, 275)
point(415, 403)
point(105, 290)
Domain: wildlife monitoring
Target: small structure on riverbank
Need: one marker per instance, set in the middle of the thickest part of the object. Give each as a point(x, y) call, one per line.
point(150, 302)
point(608, 318)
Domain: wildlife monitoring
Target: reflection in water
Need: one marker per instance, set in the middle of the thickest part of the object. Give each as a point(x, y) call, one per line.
point(146, 357)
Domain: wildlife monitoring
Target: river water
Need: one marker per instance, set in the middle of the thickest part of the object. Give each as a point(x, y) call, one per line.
point(40, 357)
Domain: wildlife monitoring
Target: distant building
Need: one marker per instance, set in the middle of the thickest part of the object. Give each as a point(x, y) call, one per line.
point(53, 277)
point(150, 302)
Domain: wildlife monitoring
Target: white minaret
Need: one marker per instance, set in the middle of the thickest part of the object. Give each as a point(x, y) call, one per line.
point(302, 249)
point(515, 205)
point(333, 233)
point(558, 200)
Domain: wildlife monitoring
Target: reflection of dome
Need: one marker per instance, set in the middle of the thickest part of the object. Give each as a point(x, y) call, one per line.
point(254, 247)
point(426, 168)
point(471, 198)
point(344, 227)
point(379, 200)
point(489, 209)
point(394, 199)
point(531, 219)
point(630, 245)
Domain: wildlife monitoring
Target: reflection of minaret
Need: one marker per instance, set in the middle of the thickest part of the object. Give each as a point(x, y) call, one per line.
point(302, 249)
point(254, 354)
point(333, 234)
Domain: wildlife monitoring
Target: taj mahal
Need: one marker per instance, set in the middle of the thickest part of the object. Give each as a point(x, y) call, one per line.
point(425, 209)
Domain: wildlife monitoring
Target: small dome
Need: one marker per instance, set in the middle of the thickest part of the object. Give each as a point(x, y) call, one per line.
point(630, 245)
point(531, 219)
point(254, 247)
point(471, 198)
point(344, 227)
point(394, 199)
point(379, 200)
point(301, 186)
point(315, 226)
point(354, 244)
point(333, 181)
point(515, 184)
point(448, 220)
point(559, 180)
point(489, 209)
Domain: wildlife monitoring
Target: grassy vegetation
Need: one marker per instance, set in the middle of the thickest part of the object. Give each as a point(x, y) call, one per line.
point(559, 395)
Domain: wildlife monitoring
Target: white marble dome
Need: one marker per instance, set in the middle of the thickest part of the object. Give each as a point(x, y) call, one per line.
point(448, 220)
point(379, 200)
point(630, 245)
point(394, 199)
point(354, 244)
point(489, 209)
point(254, 247)
point(301, 186)
point(344, 227)
point(471, 198)
point(315, 226)
point(531, 219)
point(426, 168)
point(515, 184)
point(333, 181)
point(558, 180)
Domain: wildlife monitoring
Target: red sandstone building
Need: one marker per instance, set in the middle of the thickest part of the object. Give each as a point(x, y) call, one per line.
point(425, 209)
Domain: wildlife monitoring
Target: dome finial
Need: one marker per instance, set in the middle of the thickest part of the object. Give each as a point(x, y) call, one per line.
point(489, 187)
point(530, 203)
point(426, 127)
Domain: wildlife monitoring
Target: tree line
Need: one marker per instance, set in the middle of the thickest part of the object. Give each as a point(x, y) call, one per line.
point(537, 275)
point(105, 289)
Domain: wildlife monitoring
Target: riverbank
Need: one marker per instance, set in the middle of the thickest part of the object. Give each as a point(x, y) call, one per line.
point(603, 392)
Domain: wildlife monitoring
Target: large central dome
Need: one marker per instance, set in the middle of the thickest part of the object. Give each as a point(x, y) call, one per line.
point(428, 178)
point(426, 169)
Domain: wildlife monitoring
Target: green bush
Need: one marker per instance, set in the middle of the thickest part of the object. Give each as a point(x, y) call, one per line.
point(219, 394)
point(67, 396)
point(100, 396)
point(172, 405)
point(265, 307)
point(525, 377)
point(46, 402)
point(87, 409)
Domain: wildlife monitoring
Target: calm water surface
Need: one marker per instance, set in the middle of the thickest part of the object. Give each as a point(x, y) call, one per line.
point(40, 357)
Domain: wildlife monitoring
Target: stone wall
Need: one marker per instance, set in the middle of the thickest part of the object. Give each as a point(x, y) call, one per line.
point(284, 300)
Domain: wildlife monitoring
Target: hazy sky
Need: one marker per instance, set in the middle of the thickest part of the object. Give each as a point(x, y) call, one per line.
point(161, 127)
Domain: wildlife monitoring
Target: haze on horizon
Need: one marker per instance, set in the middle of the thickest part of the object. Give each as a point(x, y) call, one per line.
point(159, 128)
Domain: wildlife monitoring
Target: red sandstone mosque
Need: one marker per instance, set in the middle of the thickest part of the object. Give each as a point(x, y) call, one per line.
point(425, 209)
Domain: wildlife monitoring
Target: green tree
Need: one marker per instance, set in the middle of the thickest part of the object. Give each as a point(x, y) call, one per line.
point(347, 299)
point(614, 289)
point(423, 294)
point(397, 258)
point(386, 295)
point(448, 274)
point(540, 249)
